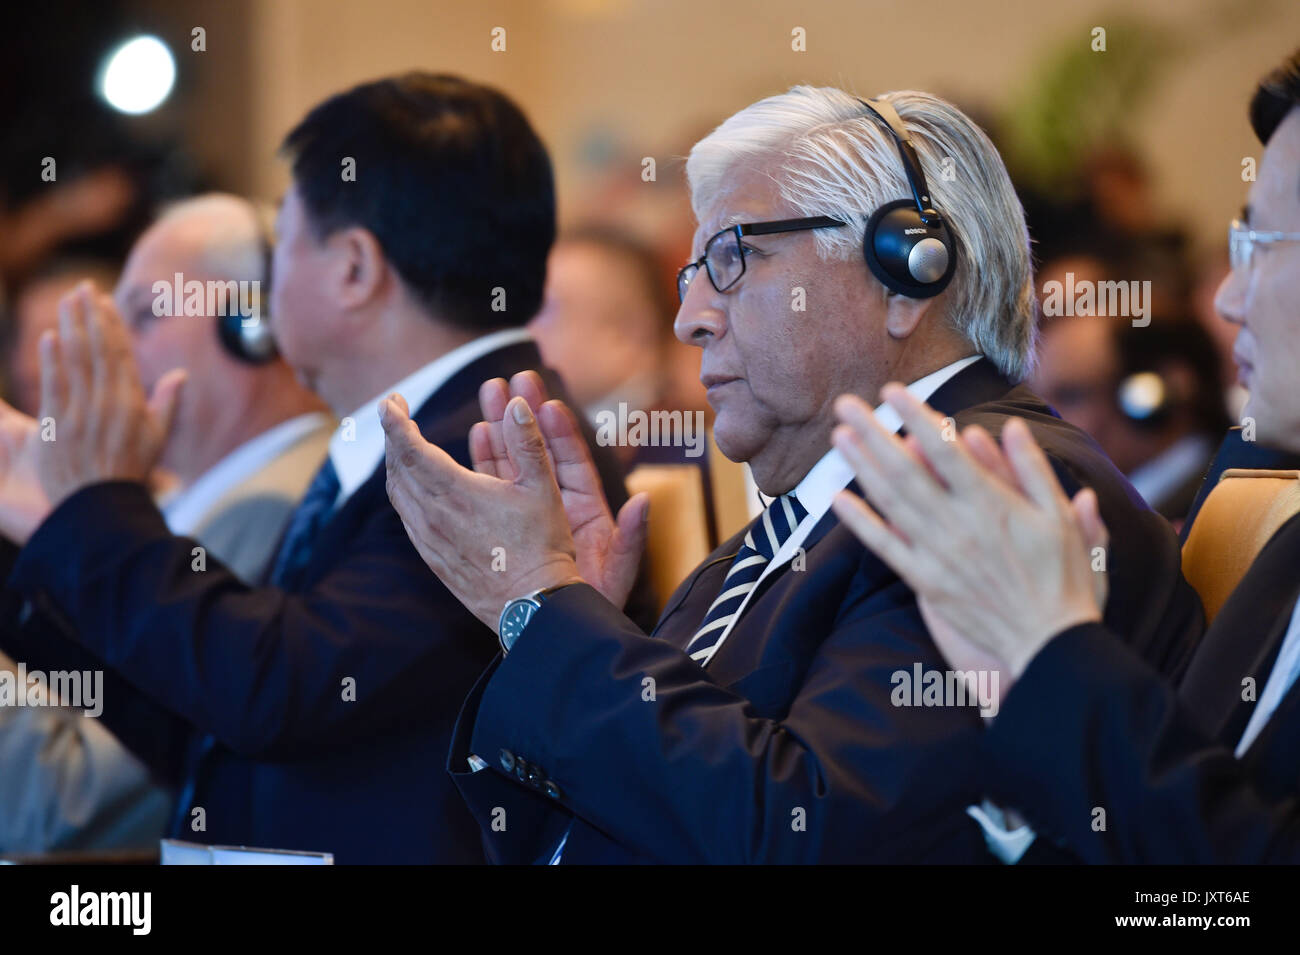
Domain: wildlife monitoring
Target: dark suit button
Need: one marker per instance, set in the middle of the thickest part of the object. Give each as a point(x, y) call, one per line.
point(535, 775)
point(552, 790)
point(521, 768)
point(507, 760)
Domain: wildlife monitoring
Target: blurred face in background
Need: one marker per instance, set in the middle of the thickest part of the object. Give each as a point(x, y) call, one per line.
point(1263, 300)
point(163, 342)
point(1077, 368)
point(597, 327)
point(1079, 374)
point(175, 340)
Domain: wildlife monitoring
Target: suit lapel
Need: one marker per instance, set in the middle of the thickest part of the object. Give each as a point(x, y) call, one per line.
point(1274, 756)
point(977, 384)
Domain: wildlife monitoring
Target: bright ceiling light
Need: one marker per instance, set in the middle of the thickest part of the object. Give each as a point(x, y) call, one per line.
point(138, 75)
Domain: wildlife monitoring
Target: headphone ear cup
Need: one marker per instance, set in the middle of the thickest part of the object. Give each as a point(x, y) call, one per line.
point(905, 253)
point(1144, 398)
point(252, 344)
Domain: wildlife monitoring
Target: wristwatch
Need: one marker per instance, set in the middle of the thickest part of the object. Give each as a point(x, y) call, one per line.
point(516, 614)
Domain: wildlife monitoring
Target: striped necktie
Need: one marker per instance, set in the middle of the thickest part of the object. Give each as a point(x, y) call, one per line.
point(765, 537)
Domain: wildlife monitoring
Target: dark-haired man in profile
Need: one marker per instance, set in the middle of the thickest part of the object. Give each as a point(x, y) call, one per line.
point(313, 712)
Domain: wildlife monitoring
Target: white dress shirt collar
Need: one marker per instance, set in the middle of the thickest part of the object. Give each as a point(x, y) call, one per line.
point(185, 510)
point(357, 447)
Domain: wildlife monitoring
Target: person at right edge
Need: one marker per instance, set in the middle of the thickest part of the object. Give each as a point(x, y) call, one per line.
point(1100, 752)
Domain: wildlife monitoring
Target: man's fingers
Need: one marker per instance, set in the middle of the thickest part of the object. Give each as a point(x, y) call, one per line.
point(1031, 467)
point(115, 340)
point(406, 451)
point(898, 484)
point(53, 385)
point(945, 455)
point(632, 525)
point(888, 454)
point(102, 362)
point(492, 397)
point(988, 454)
point(914, 448)
point(480, 450)
point(1087, 511)
point(528, 385)
point(74, 350)
point(527, 446)
point(877, 536)
point(575, 469)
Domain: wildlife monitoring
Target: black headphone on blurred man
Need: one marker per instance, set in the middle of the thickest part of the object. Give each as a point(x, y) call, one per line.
point(252, 342)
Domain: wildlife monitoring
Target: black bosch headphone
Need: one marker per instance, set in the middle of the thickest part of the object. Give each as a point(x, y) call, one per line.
point(907, 244)
point(252, 343)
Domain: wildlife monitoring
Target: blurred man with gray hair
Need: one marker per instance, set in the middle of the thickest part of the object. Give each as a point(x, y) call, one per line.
point(789, 706)
point(246, 442)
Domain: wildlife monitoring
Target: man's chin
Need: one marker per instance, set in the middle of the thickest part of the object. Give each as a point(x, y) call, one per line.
point(732, 439)
point(1263, 425)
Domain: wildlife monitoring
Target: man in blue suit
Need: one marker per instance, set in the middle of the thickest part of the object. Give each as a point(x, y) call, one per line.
point(313, 712)
point(781, 710)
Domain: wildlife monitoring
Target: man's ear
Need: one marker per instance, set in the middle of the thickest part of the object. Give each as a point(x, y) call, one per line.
point(903, 315)
point(360, 264)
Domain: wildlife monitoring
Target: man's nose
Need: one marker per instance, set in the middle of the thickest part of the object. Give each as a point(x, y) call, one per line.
point(1230, 299)
point(701, 315)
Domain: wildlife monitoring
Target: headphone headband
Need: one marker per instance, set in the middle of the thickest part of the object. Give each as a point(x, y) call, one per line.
point(907, 244)
point(907, 152)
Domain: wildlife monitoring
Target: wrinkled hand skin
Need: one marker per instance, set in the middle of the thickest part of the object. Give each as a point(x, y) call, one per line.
point(107, 427)
point(608, 549)
point(488, 539)
point(999, 558)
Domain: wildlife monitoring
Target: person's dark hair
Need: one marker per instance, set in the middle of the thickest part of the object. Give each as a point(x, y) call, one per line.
point(1277, 95)
point(450, 179)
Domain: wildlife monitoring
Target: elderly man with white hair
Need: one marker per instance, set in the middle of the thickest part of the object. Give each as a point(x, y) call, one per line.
point(789, 706)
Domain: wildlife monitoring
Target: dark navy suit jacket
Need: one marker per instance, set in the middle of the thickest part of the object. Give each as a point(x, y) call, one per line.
point(1089, 726)
point(297, 765)
point(787, 748)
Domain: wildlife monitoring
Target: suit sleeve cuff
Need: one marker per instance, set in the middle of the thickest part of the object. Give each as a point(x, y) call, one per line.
point(55, 555)
point(568, 636)
point(1043, 712)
